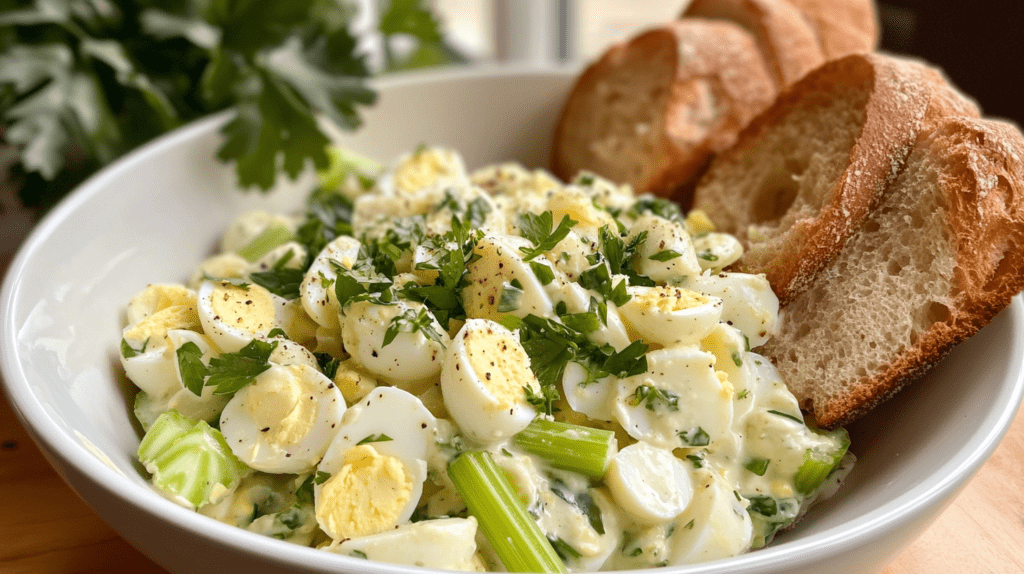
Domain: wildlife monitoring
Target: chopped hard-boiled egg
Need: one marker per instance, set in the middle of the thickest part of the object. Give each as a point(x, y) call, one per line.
point(750, 305)
point(376, 465)
point(715, 525)
point(285, 420)
point(667, 254)
point(668, 315)
point(401, 343)
point(317, 288)
point(501, 282)
point(652, 484)
point(444, 544)
point(679, 402)
point(233, 315)
point(485, 381)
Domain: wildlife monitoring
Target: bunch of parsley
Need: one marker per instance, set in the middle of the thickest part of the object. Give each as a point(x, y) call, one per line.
point(84, 81)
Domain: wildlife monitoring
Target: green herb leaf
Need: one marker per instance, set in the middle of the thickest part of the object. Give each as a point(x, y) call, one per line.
point(411, 321)
point(654, 398)
point(538, 229)
point(233, 371)
point(190, 365)
point(757, 466)
point(695, 437)
point(375, 438)
point(128, 352)
point(666, 255)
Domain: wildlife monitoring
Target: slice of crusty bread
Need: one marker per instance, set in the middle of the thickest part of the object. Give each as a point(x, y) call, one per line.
point(843, 26)
point(804, 174)
point(653, 110)
point(933, 263)
point(788, 39)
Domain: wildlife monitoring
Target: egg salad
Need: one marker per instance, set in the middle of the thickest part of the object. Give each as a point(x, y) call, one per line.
point(487, 371)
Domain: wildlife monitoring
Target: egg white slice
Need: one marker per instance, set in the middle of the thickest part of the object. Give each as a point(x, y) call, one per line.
point(750, 305)
point(715, 525)
point(484, 380)
point(716, 250)
point(317, 288)
point(443, 544)
point(501, 282)
point(669, 315)
point(592, 398)
point(678, 402)
point(375, 466)
point(412, 358)
point(667, 254)
point(284, 420)
point(650, 483)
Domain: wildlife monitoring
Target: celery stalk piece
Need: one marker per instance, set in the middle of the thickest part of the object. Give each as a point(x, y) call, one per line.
point(189, 459)
point(344, 162)
point(273, 236)
point(818, 465)
point(501, 514)
point(570, 447)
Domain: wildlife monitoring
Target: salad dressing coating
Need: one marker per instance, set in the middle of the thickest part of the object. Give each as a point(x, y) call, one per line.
point(422, 328)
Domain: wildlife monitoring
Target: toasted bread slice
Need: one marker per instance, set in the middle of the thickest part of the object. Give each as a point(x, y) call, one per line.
point(653, 110)
point(933, 263)
point(786, 37)
point(843, 26)
point(804, 174)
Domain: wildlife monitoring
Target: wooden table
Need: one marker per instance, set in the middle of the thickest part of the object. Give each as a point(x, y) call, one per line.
point(46, 528)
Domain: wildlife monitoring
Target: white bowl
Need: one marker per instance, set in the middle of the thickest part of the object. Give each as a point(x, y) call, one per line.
point(153, 215)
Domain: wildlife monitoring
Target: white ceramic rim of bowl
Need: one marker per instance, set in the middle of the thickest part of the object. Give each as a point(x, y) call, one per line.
point(45, 431)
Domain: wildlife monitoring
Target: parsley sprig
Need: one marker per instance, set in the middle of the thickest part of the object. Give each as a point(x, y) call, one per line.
point(227, 373)
point(84, 81)
point(540, 230)
point(552, 344)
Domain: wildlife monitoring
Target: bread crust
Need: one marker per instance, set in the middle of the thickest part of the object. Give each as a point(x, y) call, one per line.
point(718, 83)
point(788, 40)
point(843, 26)
point(981, 174)
point(903, 95)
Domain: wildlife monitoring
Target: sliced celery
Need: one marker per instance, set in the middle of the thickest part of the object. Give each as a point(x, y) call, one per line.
point(345, 162)
point(501, 514)
point(818, 465)
point(189, 458)
point(570, 447)
point(273, 236)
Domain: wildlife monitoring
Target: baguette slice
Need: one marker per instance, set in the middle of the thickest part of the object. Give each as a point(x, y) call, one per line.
point(935, 261)
point(843, 26)
point(653, 110)
point(804, 175)
point(786, 37)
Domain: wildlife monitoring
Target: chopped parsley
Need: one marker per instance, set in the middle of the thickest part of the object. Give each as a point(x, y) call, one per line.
point(653, 398)
point(695, 437)
point(227, 373)
point(412, 321)
point(666, 255)
point(375, 438)
point(757, 466)
point(540, 230)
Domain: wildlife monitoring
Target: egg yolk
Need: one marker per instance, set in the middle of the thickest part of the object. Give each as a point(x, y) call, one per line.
point(668, 299)
point(249, 308)
point(155, 326)
point(283, 404)
point(366, 496)
point(420, 170)
point(502, 365)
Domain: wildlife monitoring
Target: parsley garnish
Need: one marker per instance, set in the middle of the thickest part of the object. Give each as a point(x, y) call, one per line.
point(227, 373)
point(666, 255)
point(538, 229)
point(658, 206)
point(707, 255)
point(280, 280)
point(763, 505)
point(737, 359)
point(91, 80)
point(375, 438)
point(411, 321)
point(543, 272)
point(695, 437)
point(757, 466)
point(654, 398)
point(510, 295)
point(786, 415)
point(128, 352)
